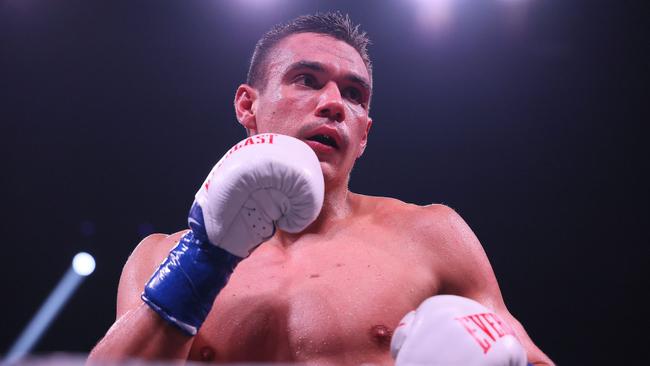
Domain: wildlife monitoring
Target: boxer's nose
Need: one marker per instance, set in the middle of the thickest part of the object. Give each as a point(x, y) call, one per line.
point(330, 103)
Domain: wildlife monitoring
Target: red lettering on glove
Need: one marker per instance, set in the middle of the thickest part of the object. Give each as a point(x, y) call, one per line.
point(476, 326)
point(254, 140)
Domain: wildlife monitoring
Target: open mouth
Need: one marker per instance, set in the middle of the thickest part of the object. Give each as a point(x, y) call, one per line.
point(325, 140)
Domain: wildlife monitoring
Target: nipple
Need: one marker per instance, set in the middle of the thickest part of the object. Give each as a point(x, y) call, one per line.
point(207, 353)
point(381, 335)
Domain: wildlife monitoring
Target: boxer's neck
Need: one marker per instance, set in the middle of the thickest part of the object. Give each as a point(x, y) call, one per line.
point(337, 205)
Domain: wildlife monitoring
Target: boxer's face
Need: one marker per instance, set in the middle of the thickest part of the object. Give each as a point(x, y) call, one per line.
point(316, 84)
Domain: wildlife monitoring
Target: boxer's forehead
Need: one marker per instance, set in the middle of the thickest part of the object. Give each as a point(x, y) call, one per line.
point(335, 55)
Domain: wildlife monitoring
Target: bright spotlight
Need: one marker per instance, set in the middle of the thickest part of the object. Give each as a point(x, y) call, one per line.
point(83, 263)
point(434, 14)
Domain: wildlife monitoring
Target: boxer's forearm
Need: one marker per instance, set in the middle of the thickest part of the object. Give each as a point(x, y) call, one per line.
point(141, 333)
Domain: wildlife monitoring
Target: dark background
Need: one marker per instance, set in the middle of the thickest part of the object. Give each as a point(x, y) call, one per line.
point(523, 115)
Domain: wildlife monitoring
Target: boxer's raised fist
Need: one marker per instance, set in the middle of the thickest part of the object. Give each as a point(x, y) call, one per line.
point(452, 330)
point(263, 181)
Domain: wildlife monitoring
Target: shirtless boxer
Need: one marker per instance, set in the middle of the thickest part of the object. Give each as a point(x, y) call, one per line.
point(332, 293)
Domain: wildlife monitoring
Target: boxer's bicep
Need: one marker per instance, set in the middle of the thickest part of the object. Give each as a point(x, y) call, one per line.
point(459, 261)
point(142, 262)
point(465, 270)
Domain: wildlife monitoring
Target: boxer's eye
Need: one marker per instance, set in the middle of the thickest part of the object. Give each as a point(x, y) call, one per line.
point(353, 94)
point(306, 80)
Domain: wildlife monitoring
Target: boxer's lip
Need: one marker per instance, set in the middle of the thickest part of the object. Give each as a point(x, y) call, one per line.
point(320, 148)
point(324, 140)
point(325, 135)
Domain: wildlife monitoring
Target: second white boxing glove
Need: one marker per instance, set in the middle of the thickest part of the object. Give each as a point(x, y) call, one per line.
point(455, 331)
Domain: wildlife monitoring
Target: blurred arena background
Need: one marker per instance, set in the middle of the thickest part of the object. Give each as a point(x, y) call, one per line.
point(526, 116)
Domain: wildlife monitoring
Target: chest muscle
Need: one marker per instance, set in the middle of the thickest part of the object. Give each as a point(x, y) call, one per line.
point(325, 298)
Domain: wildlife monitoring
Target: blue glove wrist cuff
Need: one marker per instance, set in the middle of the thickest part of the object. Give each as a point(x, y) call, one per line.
point(185, 285)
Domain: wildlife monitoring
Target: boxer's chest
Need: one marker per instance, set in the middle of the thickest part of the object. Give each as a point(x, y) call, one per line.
point(342, 295)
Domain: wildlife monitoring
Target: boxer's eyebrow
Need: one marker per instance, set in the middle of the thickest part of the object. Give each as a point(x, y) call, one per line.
point(303, 64)
point(319, 67)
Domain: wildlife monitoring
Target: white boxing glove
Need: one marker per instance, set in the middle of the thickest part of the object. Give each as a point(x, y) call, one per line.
point(263, 181)
point(455, 331)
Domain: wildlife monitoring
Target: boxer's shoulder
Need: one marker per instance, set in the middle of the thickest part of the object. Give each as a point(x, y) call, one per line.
point(144, 259)
point(429, 219)
point(381, 206)
point(447, 233)
point(433, 223)
point(437, 228)
point(462, 266)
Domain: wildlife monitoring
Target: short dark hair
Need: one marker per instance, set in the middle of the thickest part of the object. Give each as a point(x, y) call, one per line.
point(332, 24)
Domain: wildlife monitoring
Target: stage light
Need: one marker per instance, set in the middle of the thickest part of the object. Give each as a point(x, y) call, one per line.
point(434, 15)
point(83, 263)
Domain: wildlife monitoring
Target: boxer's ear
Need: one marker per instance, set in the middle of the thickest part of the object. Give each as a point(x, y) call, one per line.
point(364, 140)
point(245, 98)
